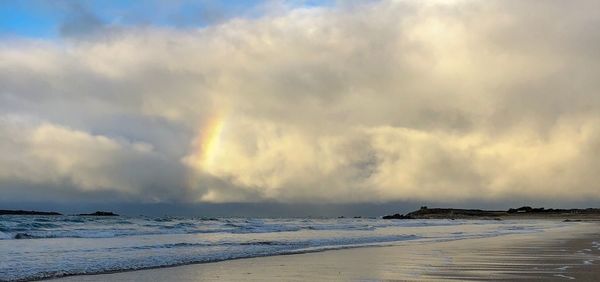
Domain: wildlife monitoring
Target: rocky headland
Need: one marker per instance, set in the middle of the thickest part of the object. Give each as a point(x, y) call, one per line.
point(525, 212)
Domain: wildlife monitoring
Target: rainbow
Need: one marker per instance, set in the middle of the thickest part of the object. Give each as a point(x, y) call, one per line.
point(207, 142)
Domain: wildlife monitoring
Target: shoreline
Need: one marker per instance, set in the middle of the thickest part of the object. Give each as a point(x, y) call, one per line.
point(558, 253)
point(287, 253)
point(290, 253)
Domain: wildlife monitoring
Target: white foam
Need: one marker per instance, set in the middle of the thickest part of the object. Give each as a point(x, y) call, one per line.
point(564, 276)
point(4, 236)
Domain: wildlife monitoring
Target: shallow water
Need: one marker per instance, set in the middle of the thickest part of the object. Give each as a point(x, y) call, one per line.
point(67, 245)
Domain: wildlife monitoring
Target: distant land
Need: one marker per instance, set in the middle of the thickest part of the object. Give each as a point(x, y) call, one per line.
point(22, 212)
point(525, 212)
point(424, 212)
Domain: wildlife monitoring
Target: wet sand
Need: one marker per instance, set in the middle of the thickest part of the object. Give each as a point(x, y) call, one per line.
point(569, 253)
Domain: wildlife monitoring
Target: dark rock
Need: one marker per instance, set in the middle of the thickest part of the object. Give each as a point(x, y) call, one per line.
point(21, 212)
point(396, 216)
point(99, 213)
point(23, 236)
point(521, 210)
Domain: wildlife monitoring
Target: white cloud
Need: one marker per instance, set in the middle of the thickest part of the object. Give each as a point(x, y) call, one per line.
point(48, 154)
point(370, 102)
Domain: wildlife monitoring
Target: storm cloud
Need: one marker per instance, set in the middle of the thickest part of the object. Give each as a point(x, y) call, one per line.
point(368, 102)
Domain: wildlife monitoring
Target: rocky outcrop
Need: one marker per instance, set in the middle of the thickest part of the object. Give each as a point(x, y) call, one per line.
point(22, 212)
point(397, 216)
point(522, 212)
point(23, 236)
point(442, 213)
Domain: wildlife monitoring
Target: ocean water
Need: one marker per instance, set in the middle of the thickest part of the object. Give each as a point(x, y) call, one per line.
point(34, 247)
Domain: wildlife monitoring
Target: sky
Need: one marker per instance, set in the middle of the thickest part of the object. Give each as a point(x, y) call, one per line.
point(289, 105)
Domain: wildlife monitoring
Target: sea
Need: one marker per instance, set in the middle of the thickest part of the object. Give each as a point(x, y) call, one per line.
point(39, 247)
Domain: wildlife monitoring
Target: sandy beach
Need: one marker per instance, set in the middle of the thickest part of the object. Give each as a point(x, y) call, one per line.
point(569, 253)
